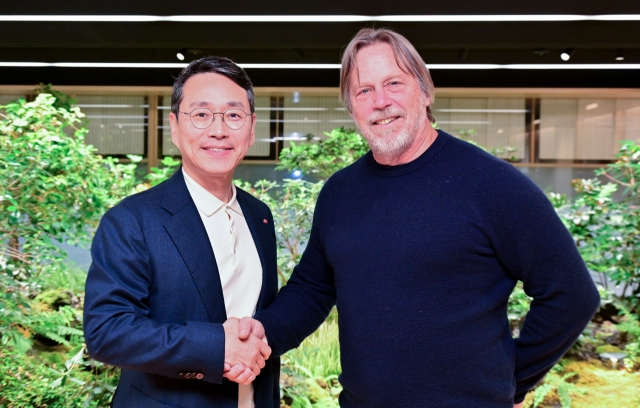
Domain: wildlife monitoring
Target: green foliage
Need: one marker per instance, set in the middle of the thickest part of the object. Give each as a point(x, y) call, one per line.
point(630, 327)
point(43, 357)
point(518, 307)
point(310, 372)
point(22, 319)
point(556, 381)
point(158, 175)
point(292, 205)
point(67, 276)
point(13, 320)
point(27, 382)
point(607, 231)
point(62, 100)
point(625, 171)
point(52, 186)
point(341, 148)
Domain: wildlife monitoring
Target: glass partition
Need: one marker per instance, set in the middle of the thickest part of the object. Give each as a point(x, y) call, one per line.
point(586, 130)
point(494, 123)
point(117, 124)
point(572, 128)
point(5, 99)
point(308, 117)
point(262, 145)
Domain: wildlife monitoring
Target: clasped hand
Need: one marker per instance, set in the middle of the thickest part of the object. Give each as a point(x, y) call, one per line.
point(245, 349)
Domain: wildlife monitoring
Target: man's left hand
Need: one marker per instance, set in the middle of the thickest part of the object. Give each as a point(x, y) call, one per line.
point(238, 373)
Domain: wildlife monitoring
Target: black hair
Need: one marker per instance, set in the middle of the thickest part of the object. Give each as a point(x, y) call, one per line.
point(217, 65)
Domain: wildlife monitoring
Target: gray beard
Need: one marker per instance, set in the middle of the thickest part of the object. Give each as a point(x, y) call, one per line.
point(386, 145)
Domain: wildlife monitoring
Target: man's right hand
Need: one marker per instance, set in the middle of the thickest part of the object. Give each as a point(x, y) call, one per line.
point(249, 325)
point(247, 353)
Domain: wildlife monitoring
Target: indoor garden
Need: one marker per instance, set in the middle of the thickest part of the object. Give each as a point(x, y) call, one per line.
point(54, 188)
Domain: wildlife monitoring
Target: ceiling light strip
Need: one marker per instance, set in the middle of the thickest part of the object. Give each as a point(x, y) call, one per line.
point(311, 66)
point(320, 18)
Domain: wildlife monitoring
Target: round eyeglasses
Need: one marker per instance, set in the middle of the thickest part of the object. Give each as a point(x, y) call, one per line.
point(202, 118)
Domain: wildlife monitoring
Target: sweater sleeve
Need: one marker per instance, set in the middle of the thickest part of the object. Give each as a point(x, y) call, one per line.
point(305, 301)
point(535, 247)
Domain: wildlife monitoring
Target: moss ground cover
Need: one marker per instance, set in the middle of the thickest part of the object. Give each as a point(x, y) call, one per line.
point(591, 385)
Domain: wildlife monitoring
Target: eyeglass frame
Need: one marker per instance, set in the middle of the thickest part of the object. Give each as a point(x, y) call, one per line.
point(214, 117)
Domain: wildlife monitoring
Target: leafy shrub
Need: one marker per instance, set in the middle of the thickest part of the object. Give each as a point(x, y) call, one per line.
point(27, 382)
point(607, 231)
point(341, 148)
point(558, 384)
point(630, 327)
point(292, 205)
point(310, 372)
point(54, 186)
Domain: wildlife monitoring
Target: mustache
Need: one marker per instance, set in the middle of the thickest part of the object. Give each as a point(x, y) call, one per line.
point(386, 113)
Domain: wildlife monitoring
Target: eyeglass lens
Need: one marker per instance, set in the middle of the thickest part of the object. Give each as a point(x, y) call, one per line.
point(203, 117)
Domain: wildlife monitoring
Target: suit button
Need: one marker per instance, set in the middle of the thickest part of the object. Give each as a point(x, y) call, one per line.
point(187, 375)
point(200, 376)
point(181, 375)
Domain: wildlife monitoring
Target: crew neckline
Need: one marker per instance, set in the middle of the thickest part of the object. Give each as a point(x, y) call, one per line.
point(402, 169)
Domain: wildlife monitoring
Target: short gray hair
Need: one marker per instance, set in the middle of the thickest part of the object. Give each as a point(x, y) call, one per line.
point(406, 56)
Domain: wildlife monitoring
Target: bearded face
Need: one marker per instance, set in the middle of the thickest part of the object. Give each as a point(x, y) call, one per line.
point(387, 103)
point(396, 139)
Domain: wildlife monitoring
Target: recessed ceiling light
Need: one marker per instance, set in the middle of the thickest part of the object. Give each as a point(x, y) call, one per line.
point(619, 55)
point(591, 106)
point(566, 54)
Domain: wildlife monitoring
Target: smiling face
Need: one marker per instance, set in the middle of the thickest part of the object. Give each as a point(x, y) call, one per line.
point(388, 106)
point(210, 155)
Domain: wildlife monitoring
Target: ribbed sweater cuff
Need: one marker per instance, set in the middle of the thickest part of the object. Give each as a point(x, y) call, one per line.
point(280, 336)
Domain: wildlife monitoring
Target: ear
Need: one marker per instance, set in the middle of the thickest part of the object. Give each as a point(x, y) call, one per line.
point(252, 138)
point(427, 99)
point(173, 122)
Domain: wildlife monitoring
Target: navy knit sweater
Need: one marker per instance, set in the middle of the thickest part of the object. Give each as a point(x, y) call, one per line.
point(420, 259)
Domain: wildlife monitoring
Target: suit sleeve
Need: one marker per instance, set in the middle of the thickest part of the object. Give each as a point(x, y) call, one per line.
point(117, 326)
point(536, 248)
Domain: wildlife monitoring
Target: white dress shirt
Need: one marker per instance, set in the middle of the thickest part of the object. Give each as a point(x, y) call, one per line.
point(236, 256)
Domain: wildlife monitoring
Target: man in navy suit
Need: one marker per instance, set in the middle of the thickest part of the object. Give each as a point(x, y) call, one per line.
point(176, 266)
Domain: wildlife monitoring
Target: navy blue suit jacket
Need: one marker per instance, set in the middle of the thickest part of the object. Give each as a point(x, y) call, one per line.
point(154, 303)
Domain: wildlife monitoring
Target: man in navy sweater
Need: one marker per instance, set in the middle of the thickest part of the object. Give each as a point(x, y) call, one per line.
point(420, 243)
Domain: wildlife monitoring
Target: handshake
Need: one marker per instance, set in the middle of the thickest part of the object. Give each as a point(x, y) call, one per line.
point(245, 349)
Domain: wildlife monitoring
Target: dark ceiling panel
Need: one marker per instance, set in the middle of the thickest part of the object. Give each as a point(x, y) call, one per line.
point(299, 7)
point(318, 35)
point(438, 43)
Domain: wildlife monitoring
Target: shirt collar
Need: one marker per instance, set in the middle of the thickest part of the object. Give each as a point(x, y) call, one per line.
point(207, 202)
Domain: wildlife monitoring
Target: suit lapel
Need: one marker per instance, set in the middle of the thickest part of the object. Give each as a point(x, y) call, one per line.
point(190, 237)
point(255, 221)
